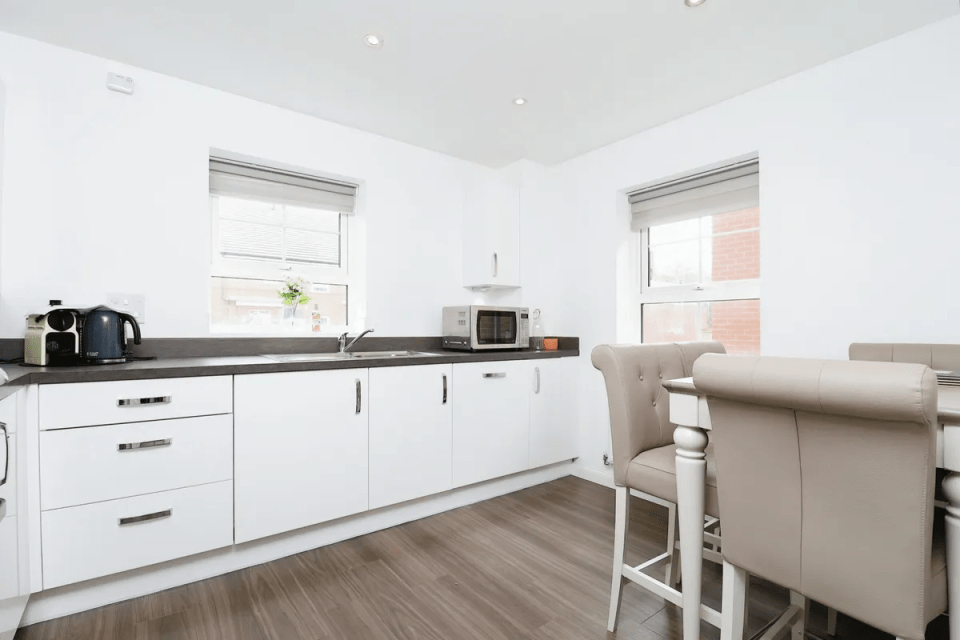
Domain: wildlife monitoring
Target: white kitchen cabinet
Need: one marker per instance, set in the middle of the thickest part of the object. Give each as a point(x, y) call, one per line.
point(410, 432)
point(300, 449)
point(491, 243)
point(491, 420)
point(553, 411)
point(14, 568)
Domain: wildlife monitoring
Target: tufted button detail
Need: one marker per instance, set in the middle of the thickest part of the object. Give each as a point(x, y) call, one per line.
point(641, 378)
point(661, 376)
point(654, 403)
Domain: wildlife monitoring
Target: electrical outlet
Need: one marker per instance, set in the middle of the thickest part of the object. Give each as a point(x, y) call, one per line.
point(132, 303)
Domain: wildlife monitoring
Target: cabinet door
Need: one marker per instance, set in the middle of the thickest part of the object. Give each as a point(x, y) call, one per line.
point(554, 435)
point(9, 576)
point(492, 237)
point(410, 433)
point(300, 443)
point(491, 420)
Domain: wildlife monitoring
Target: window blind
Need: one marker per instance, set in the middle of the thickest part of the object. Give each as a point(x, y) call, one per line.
point(244, 180)
point(277, 232)
point(729, 188)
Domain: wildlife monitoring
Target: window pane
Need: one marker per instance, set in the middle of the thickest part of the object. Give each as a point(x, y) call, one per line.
point(675, 263)
point(735, 323)
point(736, 256)
point(684, 230)
point(254, 306)
point(250, 240)
point(312, 247)
point(737, 220)
point(313, 219)
point(250, 211)
point(669, 322)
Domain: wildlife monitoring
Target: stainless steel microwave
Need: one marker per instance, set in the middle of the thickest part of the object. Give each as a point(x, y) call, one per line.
point(480, 327)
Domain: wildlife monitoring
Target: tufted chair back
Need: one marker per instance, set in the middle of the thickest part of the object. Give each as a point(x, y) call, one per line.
point(936, 356)
point(639, 410)
point(825, 475)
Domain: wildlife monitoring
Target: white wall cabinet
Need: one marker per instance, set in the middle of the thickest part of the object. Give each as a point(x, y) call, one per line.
point(554, 433)
point(491, 243)
point(301, 446)
point(491, 420)
point(410, 433)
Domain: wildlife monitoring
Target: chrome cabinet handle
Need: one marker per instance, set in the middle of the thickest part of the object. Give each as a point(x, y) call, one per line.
point(537, 369)
point(496, 264)
point(6, 453)
point(137, 402)
point(166, 513)
point(444, 389)
point(146, 444)
point(359, 396)
point(501, 374)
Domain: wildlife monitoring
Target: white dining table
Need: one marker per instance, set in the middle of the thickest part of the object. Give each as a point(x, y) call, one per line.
point(688, 410)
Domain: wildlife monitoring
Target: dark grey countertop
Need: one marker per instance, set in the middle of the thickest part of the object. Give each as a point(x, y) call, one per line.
point(238, 365)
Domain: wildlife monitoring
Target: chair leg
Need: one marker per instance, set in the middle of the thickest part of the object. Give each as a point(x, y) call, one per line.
point(831, 622)
point(619, 545)
point(676, 568)
point(734, 602)
point(671, 543)
point(800, 626)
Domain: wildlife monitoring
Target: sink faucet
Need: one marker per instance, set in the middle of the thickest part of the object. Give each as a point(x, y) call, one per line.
point(344, 347)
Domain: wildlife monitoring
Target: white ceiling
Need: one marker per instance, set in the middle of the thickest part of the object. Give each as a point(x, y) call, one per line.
point(593, 71)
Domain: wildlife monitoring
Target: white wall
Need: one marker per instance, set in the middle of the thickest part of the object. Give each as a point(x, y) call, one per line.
point(107, 192)
point(860, 204)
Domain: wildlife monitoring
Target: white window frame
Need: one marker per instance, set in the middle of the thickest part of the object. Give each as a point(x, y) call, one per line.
point(692, 292)
point(350, 273)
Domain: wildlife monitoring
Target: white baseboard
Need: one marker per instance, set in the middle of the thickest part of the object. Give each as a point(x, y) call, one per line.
point(596, 476)
point(84, 596)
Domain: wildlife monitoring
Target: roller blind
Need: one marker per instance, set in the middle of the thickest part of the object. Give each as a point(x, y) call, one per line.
point(232, 178)
point(729, 188)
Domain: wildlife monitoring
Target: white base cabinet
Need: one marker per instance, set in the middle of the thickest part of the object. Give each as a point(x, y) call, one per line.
point(491, 420)
point(410, 433)
point(554, 433)
point(300, 445)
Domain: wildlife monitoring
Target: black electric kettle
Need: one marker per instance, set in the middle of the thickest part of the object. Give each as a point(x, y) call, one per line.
point(103, 338)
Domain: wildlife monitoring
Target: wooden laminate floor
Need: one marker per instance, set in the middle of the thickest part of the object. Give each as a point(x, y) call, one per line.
point(532, 565)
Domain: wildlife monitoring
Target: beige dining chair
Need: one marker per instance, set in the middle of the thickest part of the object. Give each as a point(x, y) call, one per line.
point(644, 455)
point(826, 475)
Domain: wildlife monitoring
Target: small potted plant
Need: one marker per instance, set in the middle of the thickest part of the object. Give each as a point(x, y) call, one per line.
point(293, 294)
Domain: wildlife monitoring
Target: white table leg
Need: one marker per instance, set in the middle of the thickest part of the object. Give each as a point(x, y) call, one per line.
point(951, 489)
point(691, 478)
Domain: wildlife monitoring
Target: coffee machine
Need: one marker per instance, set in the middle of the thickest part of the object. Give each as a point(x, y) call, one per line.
point(53, 338)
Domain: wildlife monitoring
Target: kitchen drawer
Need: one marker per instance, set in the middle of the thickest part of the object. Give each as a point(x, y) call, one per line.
point(91, 403)
point(8, 491)
point(81, 543)
point(78, 466)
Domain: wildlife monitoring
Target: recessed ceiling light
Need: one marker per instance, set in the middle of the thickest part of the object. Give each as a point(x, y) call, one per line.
point(376, 41)
point(520, 101)
point(693, 3)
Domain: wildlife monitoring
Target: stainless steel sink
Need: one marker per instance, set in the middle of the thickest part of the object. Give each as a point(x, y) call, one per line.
point(389, 354)
point(350, 355)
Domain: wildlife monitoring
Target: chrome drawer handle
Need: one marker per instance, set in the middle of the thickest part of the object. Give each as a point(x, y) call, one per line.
point(444, 389)
point(359, 396)
point(146, 517)
point(496, 265)
point(136, 402)
point(146, 444)
point(502, 374)
point(6, 450)
point(537, 369)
